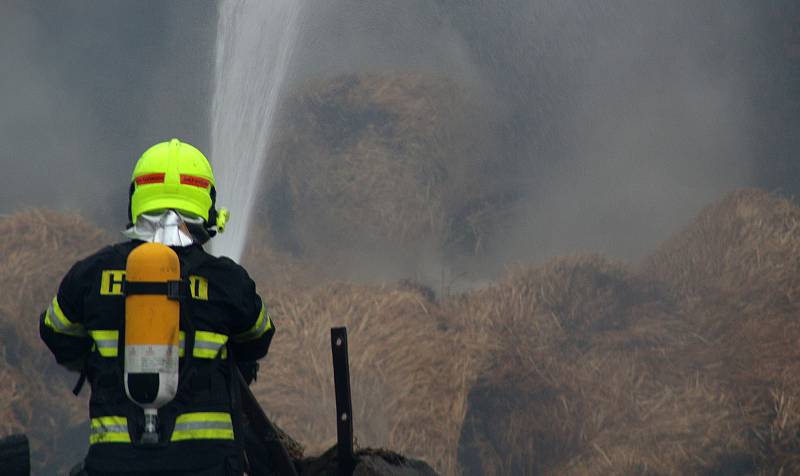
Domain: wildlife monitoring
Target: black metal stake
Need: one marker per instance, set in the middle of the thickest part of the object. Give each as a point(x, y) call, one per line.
point(344, 404)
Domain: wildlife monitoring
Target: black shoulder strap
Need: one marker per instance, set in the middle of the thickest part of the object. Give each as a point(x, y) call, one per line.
point(187, 325)
point(172, 289)
point(76, 390)
point(236, 410)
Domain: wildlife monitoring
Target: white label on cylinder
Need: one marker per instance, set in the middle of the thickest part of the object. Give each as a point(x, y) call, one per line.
point(154, 359)
point(150, 358)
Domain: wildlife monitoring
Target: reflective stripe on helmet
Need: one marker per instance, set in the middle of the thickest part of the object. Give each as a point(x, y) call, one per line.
point(195, 181)
point(109, 429)
point(56, 319)
point(262, 325)
point(203, 426)
point(149, 178)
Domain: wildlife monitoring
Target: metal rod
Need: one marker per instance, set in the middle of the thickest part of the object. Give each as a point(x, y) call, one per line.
point(344, 405)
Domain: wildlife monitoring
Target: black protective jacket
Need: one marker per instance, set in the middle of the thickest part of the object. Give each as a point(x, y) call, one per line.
point(222, 316)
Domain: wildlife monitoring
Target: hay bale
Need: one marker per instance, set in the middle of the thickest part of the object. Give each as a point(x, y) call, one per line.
point(274, 269)
point(374, 161)
point(747, 243)
point(737, 267)
point(608, 412)
point(401, 360)
point(696, 374)
point(38, 247)
point(576, 339)
point(686, 365)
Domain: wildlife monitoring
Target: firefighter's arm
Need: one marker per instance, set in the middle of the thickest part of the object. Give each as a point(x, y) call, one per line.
point(252, 342)
point(252, 327)
point(60, 325)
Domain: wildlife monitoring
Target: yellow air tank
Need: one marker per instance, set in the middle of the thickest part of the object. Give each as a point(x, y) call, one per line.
point(152, 331)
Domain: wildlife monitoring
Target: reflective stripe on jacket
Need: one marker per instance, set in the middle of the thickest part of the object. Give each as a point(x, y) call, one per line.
point(56, 320)
point(188, 426)
point(262, 326)
point(207, 345)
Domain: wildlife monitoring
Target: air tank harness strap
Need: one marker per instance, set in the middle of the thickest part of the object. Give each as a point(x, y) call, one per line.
point(76, 390)
point(235, 394)
point(174, 290)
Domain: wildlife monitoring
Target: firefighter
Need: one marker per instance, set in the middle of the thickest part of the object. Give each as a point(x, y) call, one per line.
point(223, 322)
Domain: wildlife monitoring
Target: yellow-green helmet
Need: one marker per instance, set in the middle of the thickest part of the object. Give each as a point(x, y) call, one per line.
point(173, 175)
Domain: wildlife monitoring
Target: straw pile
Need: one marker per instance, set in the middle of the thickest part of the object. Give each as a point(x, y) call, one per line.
point(742, 298)
point(38, 247)
point(273, 268)
point(686, 364)
point(695, 374)
point(377, 161)
point(747, 243)
point(586, 381)
point(405, 364)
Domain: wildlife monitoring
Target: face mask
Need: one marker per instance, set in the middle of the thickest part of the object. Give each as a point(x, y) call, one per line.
point(168, 227)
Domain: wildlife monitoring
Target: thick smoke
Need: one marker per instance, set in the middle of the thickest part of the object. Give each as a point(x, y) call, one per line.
point(42, 122)
point(618, 121)
point(626, 117)
point(348, 36)
point(87, 87)
point(642, 115)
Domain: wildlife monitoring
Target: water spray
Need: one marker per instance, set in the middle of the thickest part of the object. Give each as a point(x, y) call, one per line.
point(255, 41)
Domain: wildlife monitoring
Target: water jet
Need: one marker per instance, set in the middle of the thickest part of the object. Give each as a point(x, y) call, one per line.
point(255, 41)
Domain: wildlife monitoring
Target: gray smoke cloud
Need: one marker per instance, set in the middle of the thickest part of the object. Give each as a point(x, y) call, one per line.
point(87, 87)
point(346, 36)
point(42, 123)
point(651, 112)
point(627, 117)
point(618, 121)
